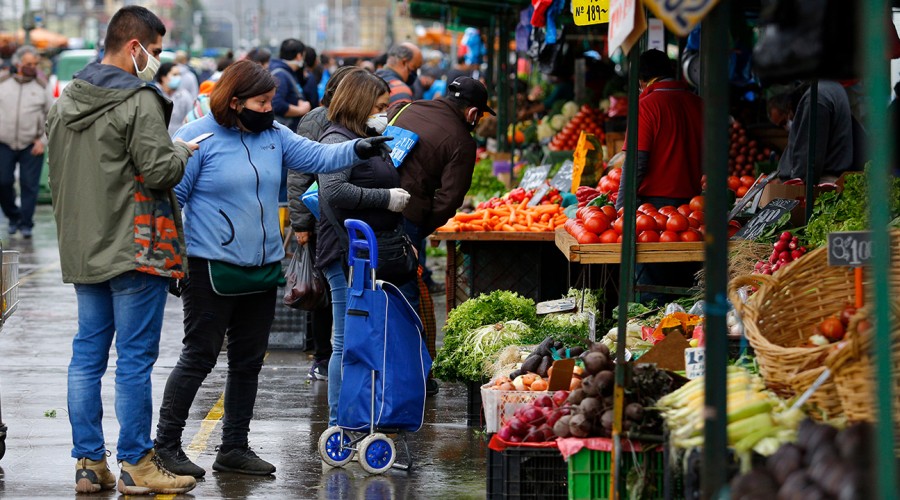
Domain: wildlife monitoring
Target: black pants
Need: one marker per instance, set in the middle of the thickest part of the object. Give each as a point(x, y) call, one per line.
point(208, 317)
point(322, 320)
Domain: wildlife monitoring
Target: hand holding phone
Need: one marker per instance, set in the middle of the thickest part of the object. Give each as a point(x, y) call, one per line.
point(200, 138)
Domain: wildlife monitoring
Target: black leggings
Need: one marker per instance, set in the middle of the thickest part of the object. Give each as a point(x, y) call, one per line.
point(208, 317)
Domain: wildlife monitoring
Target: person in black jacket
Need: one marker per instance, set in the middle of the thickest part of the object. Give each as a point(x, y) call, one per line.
point(304, 223)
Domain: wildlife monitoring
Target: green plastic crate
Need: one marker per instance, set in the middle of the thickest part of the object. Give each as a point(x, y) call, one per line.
point(590, 472)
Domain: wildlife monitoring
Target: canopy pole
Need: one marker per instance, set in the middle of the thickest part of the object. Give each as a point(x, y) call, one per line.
point(811, 152)
point(714, 48)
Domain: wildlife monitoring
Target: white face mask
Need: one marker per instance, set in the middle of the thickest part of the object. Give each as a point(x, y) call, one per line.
point(149, 70)
point(378, 122)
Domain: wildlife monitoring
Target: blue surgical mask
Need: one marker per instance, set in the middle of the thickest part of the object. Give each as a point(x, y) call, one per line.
point(174, 82)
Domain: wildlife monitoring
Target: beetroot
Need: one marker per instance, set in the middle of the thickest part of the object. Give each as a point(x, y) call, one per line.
point(505, 433)
point(532, 416)
point(518, 427)
point(559, 397)
point(544, 402)
point(561, 427)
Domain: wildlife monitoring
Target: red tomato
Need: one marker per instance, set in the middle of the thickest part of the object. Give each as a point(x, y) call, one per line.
point(615, 174)
point(669, 237)
point(609, 236)
point(617, 225)
point(648, 237)
point(609, 211)
point(747, 180)
point(694, 223)
point(732, 230)
point(645, 223)
point(691, 235)
point(587, 237)
point(677, 223)
point(697, 215)
point(596, 222)
point(620, 212)
point(619, 239)
point(685, 210)
point(647, 208)
point(733, 183)
point(605, 185)
point(661, 220)
point(667, 210)
point(741, 191)
point(696, 204)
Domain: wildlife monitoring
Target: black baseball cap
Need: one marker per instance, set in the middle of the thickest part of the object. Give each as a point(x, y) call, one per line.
point(472, 91)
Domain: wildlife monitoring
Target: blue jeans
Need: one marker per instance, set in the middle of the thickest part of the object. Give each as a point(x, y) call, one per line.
point(337, 279)
point(29, 183)
point(130, 308)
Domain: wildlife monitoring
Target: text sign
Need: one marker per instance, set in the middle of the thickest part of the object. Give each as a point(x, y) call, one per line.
point(563, 178)
point(587, 12)
point(621, 22)
point(534, 177)
point(680, 16)
point(694, 362)
point(767, 215)
point(849, 248)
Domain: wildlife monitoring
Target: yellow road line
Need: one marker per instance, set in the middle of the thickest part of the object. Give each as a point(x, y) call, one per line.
point(38, 271)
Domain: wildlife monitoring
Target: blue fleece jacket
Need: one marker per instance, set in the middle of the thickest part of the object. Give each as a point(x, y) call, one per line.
point(229, 192)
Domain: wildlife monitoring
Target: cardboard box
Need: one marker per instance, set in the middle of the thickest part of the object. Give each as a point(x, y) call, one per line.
point(775, 190)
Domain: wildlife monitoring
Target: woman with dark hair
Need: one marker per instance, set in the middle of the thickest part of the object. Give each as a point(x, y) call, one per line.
point(168, 80)
point(370, 192)
point(229, 195)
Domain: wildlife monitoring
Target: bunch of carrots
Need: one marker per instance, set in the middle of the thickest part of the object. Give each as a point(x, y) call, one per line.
point(510, 217)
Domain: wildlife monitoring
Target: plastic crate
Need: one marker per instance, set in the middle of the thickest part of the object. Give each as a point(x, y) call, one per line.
point(289, 327)
point(526, 473)
point(499, 406)
point(590, 472)
point(474, 413)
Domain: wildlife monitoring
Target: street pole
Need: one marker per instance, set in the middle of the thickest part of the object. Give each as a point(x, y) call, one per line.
point(25, 25)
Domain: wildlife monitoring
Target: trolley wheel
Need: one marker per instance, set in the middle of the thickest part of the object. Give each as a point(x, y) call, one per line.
point(330, 447)
point(2, 446)
point(377, 453)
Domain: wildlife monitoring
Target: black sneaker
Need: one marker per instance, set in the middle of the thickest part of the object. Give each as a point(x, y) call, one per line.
point(431, 387)
point(243, 461)
point(178, 463)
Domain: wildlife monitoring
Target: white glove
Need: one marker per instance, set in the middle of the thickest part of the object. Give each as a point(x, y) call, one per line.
point(399, 199)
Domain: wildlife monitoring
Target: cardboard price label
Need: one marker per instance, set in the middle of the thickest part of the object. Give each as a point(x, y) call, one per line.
point(849, 248)
point(534, 177)
point(587, 12)
point(694, 362)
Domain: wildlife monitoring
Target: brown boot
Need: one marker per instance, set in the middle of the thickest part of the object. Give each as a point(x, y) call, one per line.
point(149, 475)
point(92, 476)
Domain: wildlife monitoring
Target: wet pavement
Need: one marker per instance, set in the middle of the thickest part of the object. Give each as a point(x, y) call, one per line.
point(291, 413)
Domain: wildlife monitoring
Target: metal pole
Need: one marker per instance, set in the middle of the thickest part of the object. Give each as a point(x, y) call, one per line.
point(503, 84)
point(714, 90)
point(876, 80)
point(491, 53)
point(811, 152)
point(626, 268)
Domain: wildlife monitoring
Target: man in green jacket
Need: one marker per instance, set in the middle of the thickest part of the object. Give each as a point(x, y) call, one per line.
point(112, 170)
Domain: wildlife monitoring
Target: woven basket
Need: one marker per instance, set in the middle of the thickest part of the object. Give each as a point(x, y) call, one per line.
point(781, 316)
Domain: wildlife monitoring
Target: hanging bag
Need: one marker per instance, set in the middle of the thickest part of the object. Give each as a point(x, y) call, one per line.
point(306, 287)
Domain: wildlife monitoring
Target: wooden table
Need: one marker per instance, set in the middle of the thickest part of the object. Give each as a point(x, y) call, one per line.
point(611, 253)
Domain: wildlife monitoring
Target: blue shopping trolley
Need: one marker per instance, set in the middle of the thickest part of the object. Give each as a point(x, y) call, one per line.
point(385, 366)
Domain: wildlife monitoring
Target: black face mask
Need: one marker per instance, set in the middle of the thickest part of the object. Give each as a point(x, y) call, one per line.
point(256, 121)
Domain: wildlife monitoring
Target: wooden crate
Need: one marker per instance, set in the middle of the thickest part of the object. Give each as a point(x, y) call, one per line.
point(611, 253)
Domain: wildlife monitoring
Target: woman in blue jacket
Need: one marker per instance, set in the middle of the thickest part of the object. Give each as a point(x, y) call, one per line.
point(229, 196)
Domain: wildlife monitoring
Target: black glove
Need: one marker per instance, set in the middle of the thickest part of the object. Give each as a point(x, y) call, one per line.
point(373, 146)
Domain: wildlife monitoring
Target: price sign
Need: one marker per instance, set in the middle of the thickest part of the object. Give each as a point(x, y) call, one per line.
point(534, 177)
point(694, 362)
point(539, 194)
point(849, 248)
point(621, 22)
point(769, 214)
point(680, 16)
point(563, 178)
point(587, 12)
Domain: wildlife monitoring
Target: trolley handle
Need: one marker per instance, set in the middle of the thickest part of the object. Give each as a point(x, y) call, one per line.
point(367, 243)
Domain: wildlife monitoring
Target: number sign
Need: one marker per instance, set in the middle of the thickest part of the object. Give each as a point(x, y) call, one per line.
point(769, 214)
point(534, 177)
point(849, 248)
point(680, 16)
point(621, 22)
point(694, 362)
point(587, 12)
point(563, 178)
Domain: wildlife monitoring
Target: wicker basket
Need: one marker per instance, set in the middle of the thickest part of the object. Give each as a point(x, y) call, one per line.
point(780, 317)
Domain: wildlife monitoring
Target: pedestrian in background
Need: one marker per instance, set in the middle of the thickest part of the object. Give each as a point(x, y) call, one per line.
point(401, 70)
point(112, 170)
point(189, 80)
point(169, 80)
point(310, 77)
point(25, 100)
point(303, 222)
point(370, 192)
point(230, 197)
point(290, 103)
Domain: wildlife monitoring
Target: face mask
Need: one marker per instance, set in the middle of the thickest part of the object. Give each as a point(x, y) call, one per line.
point(28, 71)
point(149, 70)
point(174, 82)
point(256, 121)
point(378, 122)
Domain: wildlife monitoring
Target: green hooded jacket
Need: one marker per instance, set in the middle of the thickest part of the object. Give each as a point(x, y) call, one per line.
point(112, 170)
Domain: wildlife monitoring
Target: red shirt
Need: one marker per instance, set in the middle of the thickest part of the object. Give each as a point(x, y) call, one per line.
point(670, 128)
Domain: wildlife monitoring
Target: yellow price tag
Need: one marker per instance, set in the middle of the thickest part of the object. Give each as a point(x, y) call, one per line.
point(587, 12)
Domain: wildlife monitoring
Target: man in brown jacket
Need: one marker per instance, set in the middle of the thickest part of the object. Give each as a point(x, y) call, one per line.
point(437, 172)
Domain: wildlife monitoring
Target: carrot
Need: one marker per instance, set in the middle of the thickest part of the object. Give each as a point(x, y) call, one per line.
point(464, 217)
point(524, 203)
point(529, 219)
point(520, 227)
point(507, 227)
point(545, 217)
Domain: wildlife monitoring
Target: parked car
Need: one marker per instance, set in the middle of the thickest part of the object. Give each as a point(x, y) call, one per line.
point(69, 62)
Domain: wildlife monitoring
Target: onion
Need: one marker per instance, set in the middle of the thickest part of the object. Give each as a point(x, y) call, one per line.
point(505, 433)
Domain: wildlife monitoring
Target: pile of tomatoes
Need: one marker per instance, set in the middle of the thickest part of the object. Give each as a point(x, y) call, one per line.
point(667, 224)
point(587, 119)
point(740, 185)
point(744, 152)
point(609, 183)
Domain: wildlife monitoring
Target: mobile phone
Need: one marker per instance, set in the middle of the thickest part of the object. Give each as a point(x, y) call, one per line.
point(200, 138)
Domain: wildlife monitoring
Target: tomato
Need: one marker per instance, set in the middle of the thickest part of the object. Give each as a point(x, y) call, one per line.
point(691, 235)
point(615, 174)
point(741, 191)
point(693, 223)
point(697, 215)
point(733, 183)
point(667, 210)
point(677, 223)
point(617, 225)
point(846, 314)
point(669, 237)
point(747, 180)
point(645, 223)
point(596, 222)
point(619, 239)
point(732, 230)
point(661, 220)
point(605, 185)
point(832, 328)
point(696, 204)
point(685, 210)
point(609, 211)
point(609, 236)
point(648, 237)
point(647, 208)
point(587, 237)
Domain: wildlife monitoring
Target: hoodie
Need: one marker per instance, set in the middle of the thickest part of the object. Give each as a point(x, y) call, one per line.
point(112, 170)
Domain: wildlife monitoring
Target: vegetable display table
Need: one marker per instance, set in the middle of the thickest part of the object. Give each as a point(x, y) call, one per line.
point(483, 261)
point(611, 253)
